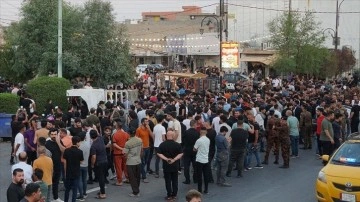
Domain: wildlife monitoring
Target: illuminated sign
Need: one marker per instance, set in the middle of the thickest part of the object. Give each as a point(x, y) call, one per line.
point(230, 55)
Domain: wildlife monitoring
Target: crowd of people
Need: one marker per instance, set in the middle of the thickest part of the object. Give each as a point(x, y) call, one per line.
point(209, 133)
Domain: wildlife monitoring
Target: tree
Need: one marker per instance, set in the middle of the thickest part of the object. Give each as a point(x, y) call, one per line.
point(94, 46)
point(102, 47)
point(299, 42)
point(346, 59)
point(33, 40)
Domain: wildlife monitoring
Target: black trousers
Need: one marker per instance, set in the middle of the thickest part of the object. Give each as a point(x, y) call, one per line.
point(55, 183)
point(189, 159)
point(202, 169)
point(319, 145)
point(32, 155)
point(238, 157)
point(327, 147)
point(211, 158)
point(100, 170)
point(171, 183)
point(90, 170)
point(354, 126)
point(151, 154)
point(134, 172)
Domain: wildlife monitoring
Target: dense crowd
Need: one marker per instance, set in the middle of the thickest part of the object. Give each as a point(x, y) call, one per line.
point(214, 133)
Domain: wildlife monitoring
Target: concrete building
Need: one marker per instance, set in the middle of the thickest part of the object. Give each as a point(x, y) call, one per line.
point(173, 38)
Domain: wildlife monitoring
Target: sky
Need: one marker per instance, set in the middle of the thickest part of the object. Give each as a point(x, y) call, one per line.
point(123, 9)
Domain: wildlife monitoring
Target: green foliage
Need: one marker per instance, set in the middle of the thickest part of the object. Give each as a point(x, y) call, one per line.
point(103, 50)
point(298, 40)
point(9, 103)
point(43, 88)
point(94, 46)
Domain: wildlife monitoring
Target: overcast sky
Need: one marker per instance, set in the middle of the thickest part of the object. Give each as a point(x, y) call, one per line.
point(123, 9)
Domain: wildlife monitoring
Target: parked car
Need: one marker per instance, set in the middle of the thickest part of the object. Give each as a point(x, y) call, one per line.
point(155, 68)
point(339, 180)
point(141, 68)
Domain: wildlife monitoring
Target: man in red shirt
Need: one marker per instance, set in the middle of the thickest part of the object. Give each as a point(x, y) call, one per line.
point(320, 117)
point(119, 139)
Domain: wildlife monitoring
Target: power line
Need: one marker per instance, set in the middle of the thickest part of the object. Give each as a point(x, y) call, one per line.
point(283, 10)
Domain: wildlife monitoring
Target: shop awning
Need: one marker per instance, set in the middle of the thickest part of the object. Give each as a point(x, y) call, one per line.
point(267, 60)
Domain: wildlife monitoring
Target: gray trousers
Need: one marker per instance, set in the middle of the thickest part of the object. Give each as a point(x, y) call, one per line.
point(222, 161)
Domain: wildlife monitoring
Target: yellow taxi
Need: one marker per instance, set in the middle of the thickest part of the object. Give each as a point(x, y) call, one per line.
point(339, 180)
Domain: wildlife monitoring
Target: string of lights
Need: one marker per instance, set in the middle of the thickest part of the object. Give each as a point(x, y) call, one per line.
point(192, 46)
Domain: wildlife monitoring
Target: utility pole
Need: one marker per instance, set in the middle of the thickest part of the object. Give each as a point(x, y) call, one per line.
point(290, 6)
point(337, 39)
point(226, 13)
point(337, 25)
point(222, 5)
point(358, 61)
point(59, 71)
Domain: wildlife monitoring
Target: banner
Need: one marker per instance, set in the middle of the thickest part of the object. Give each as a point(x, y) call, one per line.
point(229, 55)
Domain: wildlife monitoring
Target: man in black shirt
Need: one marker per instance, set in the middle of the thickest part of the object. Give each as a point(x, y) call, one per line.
point(55, 147)
point(73, 156)
point(76, 128)
point(354, 115)
point(170, 152)
point(252, 145)
point(15, 192)
point(99, 160)
point(189, 139)
point(239, 138)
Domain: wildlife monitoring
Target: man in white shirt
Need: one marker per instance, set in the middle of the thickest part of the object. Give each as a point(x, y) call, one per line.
point(223, 120)
point(202, 160)
point(175, 125)
point(19, 143)
point(159, 133)
point(141, 113)
point(216, 121)
point(186, 122)
point(28, 170)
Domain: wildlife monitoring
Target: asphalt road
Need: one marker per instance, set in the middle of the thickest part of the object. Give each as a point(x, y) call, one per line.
point(270, 184)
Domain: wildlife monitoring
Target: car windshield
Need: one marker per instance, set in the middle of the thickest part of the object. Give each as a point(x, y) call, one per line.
point(348, 154)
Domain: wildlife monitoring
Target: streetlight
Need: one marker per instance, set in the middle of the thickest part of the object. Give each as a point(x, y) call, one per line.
point(219, 31)
point(336, 41)
point(208, 23)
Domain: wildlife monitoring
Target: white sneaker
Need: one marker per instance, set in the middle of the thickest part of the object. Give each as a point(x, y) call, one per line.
point(58, 200)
